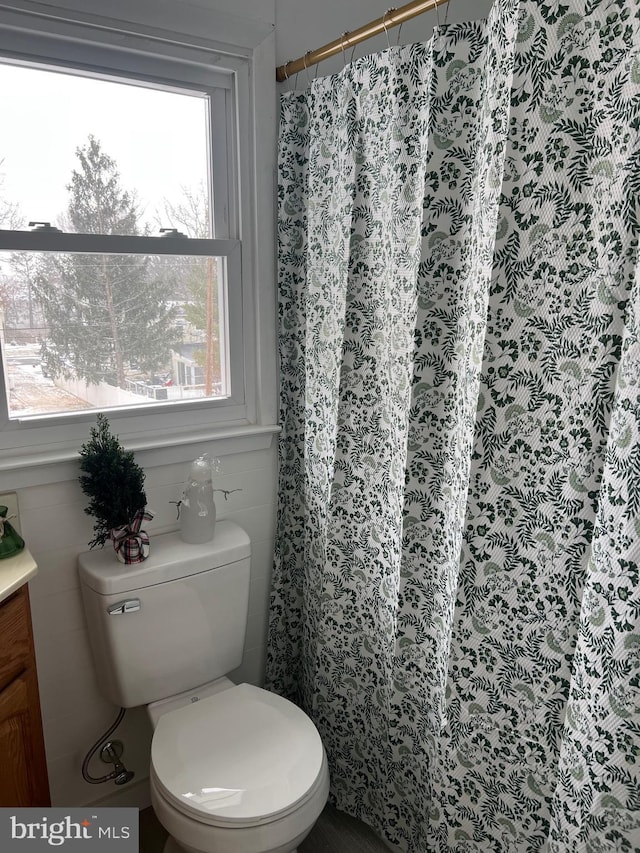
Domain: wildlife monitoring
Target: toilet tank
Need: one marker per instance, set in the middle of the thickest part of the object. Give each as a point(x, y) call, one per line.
point(171, 623)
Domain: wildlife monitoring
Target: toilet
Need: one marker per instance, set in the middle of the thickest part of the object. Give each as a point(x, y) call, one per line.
point(234, 768)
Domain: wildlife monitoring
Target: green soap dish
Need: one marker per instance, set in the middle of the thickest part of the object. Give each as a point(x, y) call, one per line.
point(11, 543)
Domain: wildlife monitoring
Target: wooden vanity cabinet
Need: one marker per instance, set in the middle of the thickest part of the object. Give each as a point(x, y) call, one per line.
point(23, 768)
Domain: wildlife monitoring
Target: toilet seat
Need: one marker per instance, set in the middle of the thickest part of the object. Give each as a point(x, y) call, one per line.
point(241, 757)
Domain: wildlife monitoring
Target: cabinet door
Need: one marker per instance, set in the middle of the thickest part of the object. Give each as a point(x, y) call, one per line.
point(15, 641)
point(21, 760)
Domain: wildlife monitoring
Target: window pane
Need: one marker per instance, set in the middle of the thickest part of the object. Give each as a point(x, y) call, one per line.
point(92, 155)
point(82, 331)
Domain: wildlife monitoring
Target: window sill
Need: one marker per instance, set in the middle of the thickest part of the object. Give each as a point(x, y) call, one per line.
point(54, 464)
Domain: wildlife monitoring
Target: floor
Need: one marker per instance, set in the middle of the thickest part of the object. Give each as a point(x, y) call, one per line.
point(335, 832)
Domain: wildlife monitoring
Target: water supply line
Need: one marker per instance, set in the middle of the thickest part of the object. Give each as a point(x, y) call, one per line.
point(110, 754)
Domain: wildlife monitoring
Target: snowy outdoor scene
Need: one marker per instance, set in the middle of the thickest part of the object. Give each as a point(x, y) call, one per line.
point(81, 331)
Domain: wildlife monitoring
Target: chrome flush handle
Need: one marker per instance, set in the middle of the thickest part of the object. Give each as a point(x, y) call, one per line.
point(129, 605)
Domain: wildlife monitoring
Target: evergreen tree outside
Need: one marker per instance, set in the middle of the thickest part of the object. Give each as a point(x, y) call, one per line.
point(105, 314)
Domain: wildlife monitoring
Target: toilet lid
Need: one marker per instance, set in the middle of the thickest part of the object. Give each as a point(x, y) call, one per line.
point(240, 756)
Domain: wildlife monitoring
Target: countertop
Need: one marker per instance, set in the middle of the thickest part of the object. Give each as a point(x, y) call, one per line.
point(16, 571)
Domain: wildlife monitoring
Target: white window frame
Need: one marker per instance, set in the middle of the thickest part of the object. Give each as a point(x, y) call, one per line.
point(186, 63)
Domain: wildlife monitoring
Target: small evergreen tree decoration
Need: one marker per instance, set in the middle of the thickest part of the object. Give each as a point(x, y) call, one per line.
point(115, 485)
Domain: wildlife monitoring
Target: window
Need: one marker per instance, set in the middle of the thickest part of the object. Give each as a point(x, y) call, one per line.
point(117, 328)
point(112, 322)
point(125, 286)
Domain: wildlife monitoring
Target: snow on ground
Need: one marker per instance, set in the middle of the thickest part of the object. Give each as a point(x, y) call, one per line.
point(30, 393)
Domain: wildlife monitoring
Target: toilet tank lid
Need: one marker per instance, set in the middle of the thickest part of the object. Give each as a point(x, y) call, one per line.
point(170, 559)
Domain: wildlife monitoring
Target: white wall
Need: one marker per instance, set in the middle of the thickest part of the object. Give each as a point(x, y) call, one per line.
point(236, 22)
point(304, 25)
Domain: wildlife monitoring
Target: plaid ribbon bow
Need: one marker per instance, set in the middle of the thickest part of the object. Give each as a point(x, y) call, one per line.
point(130, 542)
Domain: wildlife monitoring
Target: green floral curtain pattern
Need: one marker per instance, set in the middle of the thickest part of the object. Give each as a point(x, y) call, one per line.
point(456, 590)
point(351, 203)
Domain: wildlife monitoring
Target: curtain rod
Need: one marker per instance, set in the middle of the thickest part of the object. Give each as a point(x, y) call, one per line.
point(391, 18)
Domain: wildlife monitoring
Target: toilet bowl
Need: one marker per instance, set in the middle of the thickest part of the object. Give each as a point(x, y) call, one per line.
point(234, 768)
point(239, 771)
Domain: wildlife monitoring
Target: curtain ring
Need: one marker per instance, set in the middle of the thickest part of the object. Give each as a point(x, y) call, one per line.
point(446, 12)
point(306, 67)
point(384, 24)
point(399, 31)
point(436, 3)
point(344, 57)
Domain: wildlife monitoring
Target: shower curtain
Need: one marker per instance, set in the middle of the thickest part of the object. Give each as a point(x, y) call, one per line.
point(455, 595)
